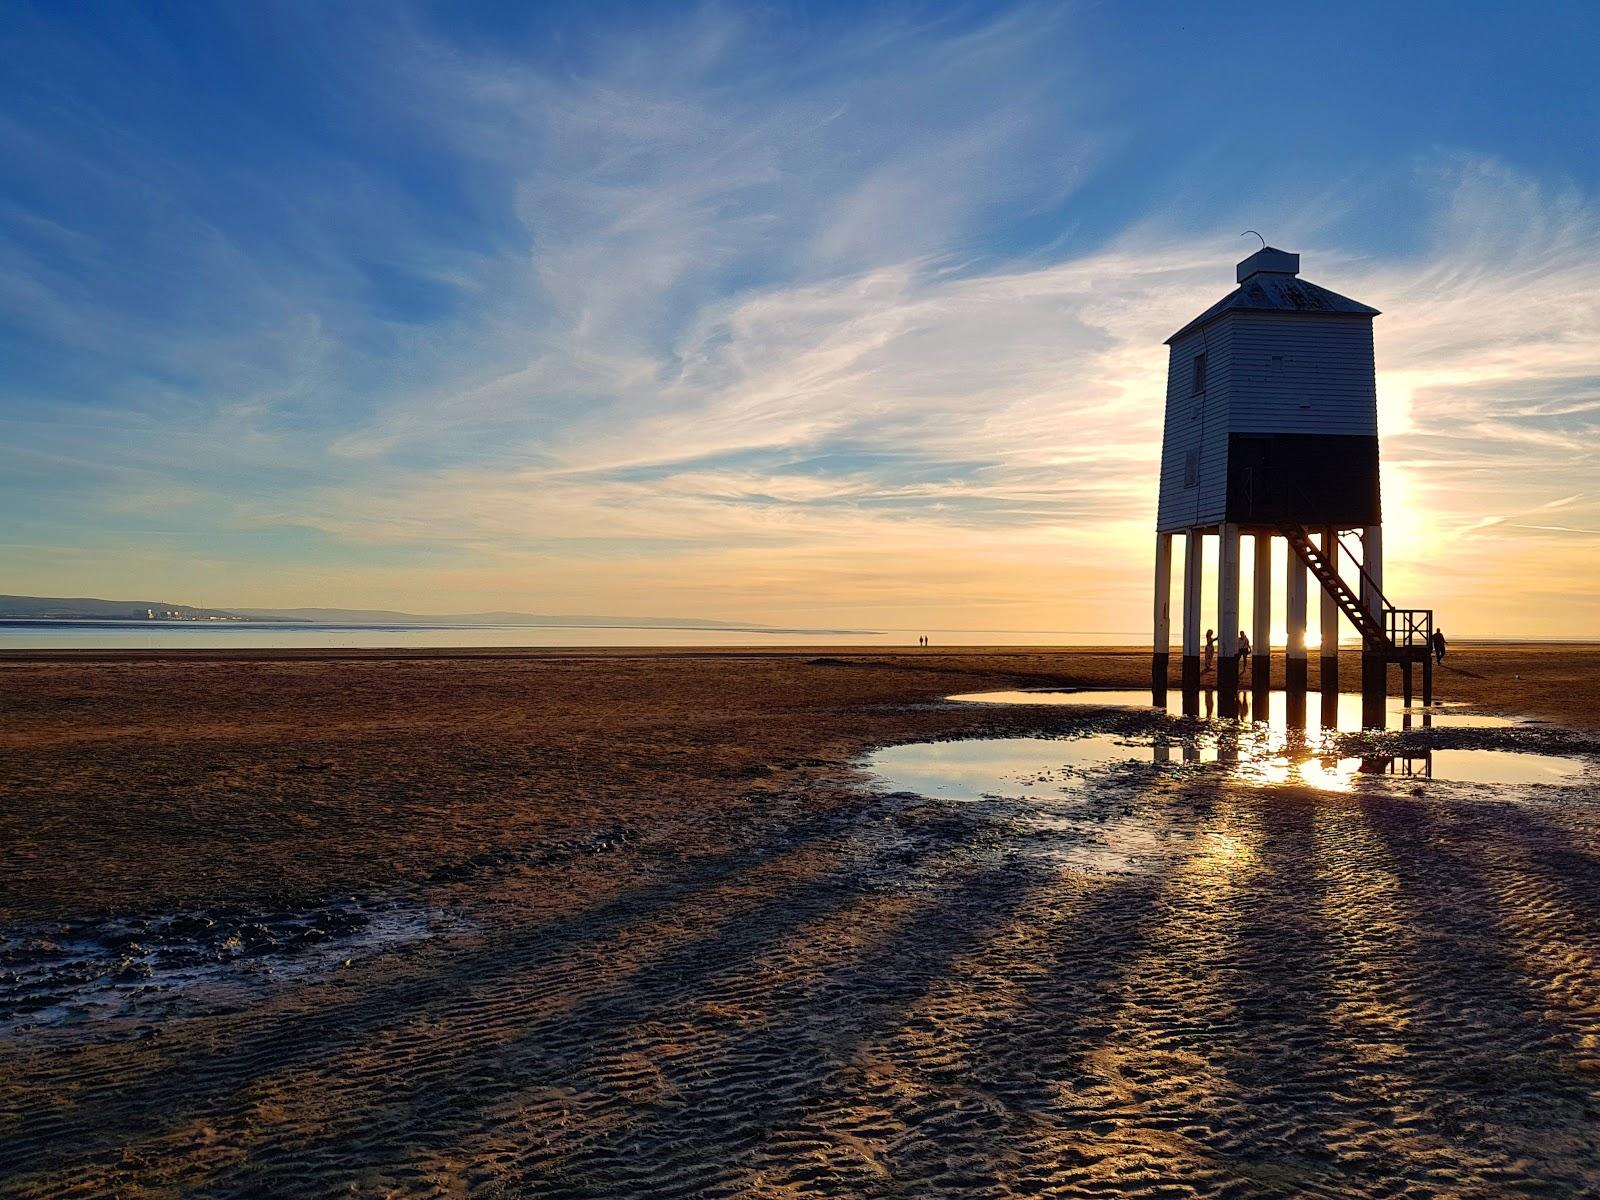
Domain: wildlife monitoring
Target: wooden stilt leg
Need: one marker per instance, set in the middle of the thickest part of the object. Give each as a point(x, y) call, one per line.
point(1261, 627)
point(1193, 542)
point(1161, 645)
point(1228, 621)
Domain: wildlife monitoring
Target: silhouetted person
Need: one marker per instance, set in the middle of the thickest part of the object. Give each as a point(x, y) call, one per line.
point(1211, 648)
point(1438, 645)
point(1244, 654)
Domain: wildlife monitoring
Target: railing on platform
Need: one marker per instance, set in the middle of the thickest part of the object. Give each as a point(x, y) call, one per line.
point(1408, 628)
point(1404, 629)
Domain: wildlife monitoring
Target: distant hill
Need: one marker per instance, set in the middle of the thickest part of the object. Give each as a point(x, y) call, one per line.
point(84, 608)
point(80, 608)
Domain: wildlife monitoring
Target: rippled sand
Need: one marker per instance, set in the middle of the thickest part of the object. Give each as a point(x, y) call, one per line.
point(690, 953)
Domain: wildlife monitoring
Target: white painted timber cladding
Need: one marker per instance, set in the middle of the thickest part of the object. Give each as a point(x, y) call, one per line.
point(1183, 507)
point(1321, 382)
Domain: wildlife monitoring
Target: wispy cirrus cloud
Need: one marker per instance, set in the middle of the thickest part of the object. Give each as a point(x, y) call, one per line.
point(740, 327)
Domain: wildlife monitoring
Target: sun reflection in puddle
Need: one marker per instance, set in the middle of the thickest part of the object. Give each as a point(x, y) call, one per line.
point(1079, 800)
point(1080, 797)
point(1347, 719)
point(1270, 750)
point(1037, 768)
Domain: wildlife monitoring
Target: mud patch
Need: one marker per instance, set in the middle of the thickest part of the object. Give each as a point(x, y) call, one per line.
point(189, 963)
point(546, 854)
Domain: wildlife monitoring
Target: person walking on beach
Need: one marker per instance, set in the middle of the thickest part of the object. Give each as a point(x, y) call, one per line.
point(1211, 649)
point(1438, 645)
point(1244, 654)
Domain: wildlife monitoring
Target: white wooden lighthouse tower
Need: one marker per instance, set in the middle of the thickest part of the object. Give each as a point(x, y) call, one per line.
point(1272, 431)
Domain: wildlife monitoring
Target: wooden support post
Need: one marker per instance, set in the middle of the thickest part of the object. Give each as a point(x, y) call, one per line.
point(1330, 708)
point(1228, 621)
point(1372, 568)
point(1427, 677)
point(1328, 677)
point(1374, 690)
point(1294, 654)
point(1193, 541)
point(1261, 626)
point(1374, 664)
point(1161, 647)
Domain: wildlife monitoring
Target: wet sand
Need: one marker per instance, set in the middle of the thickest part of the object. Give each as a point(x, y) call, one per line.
point(663, 939)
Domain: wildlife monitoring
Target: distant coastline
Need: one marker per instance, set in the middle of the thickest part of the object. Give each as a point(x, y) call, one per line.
point(289, 624)
point(142, 613)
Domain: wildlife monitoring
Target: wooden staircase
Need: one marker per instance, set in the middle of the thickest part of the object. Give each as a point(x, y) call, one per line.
point(1400, 635)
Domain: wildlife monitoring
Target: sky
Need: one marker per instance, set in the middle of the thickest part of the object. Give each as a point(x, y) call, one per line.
point(804, 314)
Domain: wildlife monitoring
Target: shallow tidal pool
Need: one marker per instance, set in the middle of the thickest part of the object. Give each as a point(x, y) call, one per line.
point(1276, 714)
point(1040, 768)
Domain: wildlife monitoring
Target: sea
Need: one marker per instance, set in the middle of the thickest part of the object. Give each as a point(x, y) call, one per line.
point(254, 635)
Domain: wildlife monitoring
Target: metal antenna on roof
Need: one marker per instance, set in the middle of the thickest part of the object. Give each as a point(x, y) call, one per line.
point(1249, 232)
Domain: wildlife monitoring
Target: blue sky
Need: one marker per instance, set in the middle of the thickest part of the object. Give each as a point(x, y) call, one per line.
point(798, 313)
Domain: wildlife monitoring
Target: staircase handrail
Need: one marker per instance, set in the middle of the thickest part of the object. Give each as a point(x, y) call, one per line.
point(1338, 536)
point(1362, 616)
point(1361, 567)
point(1396, 627)
point(1391, 611)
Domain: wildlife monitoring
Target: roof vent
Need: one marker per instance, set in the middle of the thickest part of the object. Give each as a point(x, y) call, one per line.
point(1269, 260)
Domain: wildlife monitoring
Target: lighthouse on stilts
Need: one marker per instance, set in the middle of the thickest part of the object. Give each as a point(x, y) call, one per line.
point(1272, 432)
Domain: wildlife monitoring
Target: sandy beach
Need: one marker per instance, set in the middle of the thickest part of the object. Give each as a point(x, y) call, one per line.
point(623, 923)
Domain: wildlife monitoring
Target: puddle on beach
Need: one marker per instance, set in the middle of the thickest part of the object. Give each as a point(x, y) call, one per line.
point(1036, 768)
point(1022, 768)
point(1076, 799)
point(1043, 786)
point(1084, 789)
point(1260, 754)
point(1260, 749)
point(69, 973)
point(1348, 720)
point(1503, 766)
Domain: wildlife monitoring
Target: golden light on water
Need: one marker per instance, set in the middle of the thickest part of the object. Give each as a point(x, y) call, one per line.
point(1338, 776)
point(1219, 848)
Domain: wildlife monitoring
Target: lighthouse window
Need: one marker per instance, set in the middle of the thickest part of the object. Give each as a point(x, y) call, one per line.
point(1191, 469)
point(1199, 373)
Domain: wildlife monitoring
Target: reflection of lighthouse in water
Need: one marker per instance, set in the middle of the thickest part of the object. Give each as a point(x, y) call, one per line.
point(1271, 750)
